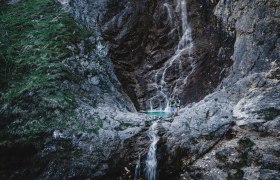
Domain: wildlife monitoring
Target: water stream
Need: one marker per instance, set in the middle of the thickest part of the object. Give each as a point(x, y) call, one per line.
point(169, 11)
point(163, 90)
point(151, 161)
point(137, 168)
point(184, 47)
point(158, 113)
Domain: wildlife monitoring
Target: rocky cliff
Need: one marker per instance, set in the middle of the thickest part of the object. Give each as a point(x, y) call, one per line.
point(233, 133)
point(232, 39)
point(68, 109)
point(142, 36)
point(236, 47)
point(60, 101)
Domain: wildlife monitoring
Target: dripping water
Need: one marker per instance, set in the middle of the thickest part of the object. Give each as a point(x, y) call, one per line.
point(137, 168)
point(185, 46)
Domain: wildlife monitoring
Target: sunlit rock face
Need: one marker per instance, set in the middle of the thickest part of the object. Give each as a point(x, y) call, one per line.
point(144, 36)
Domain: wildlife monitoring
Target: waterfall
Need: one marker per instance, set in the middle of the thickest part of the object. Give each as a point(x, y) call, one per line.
point(193, 66)
point(137, 168)
point(151, 105)
point(151, 161)
point(185, 46)
point(169, 11)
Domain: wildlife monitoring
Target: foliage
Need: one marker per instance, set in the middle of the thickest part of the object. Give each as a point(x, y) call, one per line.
point(34, 39)
point(246, 142)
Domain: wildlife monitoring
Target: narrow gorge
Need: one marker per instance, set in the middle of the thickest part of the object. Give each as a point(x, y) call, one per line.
point(85, 89)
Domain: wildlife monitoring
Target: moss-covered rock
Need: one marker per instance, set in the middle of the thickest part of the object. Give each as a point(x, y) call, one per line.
point(35, 39)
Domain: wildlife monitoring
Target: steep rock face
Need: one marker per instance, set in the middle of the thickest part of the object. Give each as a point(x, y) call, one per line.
point(234, 132)
point(83, 13)
point(142, 36)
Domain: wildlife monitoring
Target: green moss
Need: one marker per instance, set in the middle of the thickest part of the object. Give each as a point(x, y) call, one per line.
point(98, 124)
point(123, 126)
point(98, 121)
point(34, 39)
point(210, 136)
point(246, 142)
point(244, 157)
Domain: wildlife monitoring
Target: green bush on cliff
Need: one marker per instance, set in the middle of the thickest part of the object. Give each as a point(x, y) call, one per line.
point(33, 43)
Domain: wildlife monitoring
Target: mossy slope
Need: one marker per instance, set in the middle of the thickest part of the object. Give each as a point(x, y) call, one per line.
point(34, 39)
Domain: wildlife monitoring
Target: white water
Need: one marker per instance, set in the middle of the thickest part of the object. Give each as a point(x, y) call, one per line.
point(169, 11)
point(151, 161)
point(185, 46)
point(137, 168)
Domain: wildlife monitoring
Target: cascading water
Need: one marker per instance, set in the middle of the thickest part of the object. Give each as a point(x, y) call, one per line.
point(137, 168)
point(151, 161)
point(169, 11)
point(185, 46)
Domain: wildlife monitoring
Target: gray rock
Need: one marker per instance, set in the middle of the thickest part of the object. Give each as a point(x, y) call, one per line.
point(94, 80)
point(248, 96)
point(267, 174)
point(139, 45)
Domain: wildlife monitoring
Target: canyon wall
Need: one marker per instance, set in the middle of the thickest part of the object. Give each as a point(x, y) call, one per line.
point(143, 35)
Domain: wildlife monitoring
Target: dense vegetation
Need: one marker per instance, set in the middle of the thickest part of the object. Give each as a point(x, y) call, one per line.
point(34, 39)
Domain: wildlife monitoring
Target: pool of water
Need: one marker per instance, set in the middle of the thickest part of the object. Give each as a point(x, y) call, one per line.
point(158, 114)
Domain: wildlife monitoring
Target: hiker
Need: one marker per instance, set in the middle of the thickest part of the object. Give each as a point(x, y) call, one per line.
point(172, 106)
point(178, 105)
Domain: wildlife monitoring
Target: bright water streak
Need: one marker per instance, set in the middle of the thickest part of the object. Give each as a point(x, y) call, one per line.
point(169, 10)
point(151, 161)
point(185, 46)
point(137, 168)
